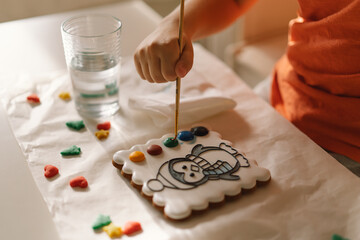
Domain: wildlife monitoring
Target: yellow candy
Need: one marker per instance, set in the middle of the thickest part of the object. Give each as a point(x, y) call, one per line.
point(102, 134)
point(112, 230)
point(65, 96)
point(137, 156)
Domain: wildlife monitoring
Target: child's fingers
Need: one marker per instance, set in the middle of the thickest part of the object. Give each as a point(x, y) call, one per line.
point(157, 59)
point(155, 70)
point(140, 59)
point(145, 70)
point(138, 66)
point(168, 63)
point(184, 64)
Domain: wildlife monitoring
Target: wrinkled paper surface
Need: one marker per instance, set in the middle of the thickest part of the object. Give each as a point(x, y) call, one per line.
point(310, 196)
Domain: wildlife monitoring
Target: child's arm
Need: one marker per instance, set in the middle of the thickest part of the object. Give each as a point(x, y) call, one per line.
point(157, 56)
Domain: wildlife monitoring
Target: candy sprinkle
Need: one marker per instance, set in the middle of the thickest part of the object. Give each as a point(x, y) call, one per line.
point(102, 134)
point(33, 98)
point(104, 126)
point(79, 181)
point(77, 125)
point(65, 96)
point(112, 230)
point(50, 171)
point(73, 150)
point(132, 227)
point(101, 221)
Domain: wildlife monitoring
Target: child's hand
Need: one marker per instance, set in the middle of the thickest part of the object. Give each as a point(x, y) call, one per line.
point(157, 57)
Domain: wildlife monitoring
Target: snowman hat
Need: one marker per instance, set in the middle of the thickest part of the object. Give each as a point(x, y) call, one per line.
point(165, 179)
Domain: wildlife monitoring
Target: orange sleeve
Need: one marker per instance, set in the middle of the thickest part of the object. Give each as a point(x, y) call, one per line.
point(316, 85)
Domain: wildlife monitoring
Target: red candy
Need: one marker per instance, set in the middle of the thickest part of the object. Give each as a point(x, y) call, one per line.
point(104, 126)
point(50, 171)
point(33, 98)
point(131, 227)
point(79, 181)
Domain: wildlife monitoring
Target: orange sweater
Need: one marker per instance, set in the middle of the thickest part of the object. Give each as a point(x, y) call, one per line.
point(316, 85)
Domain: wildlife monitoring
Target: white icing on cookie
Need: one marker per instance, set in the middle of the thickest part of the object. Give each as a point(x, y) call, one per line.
point(189, 176)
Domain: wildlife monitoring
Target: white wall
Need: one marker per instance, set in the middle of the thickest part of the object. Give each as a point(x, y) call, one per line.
point(268, 18)
point(18, 9)
point(264, 40)
point(265, 20)
point(163, 7)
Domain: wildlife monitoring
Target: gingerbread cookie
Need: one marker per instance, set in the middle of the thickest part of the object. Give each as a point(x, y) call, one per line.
point(201, 169)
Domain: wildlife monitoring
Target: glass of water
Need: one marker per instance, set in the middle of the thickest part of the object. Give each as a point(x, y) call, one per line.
point(92, 52)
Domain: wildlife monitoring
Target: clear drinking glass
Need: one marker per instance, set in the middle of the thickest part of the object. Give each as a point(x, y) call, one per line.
point(92, 51)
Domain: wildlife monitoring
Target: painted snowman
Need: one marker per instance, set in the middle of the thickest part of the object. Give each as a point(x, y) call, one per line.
point(204, 163)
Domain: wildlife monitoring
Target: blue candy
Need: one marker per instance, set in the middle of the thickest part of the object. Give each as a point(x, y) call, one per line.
point(185, 136)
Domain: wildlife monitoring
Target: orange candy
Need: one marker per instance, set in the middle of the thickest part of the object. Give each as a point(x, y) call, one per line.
point(137, 156)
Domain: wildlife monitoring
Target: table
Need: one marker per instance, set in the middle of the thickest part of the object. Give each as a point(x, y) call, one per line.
point(33, 46)
point(311, 196)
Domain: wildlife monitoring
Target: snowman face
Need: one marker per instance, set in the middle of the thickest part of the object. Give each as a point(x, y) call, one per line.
point(189, 170)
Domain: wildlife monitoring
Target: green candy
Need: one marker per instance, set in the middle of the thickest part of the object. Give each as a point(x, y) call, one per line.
point(338, 237)
point(73, 150)
point(101, 221)
point(77, 125)
point(171, 142)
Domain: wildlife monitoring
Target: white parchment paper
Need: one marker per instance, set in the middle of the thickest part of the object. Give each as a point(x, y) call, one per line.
point(310, 196)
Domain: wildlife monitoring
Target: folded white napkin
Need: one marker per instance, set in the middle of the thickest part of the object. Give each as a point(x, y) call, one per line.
point(198, 98)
